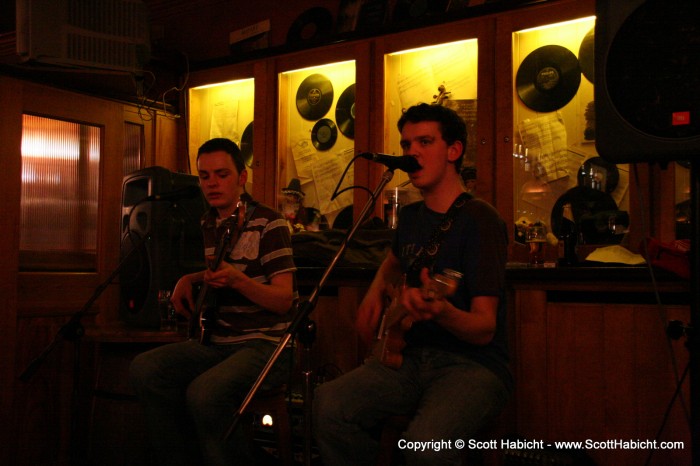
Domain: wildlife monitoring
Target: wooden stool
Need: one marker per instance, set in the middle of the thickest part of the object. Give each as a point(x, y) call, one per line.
point(274, 403)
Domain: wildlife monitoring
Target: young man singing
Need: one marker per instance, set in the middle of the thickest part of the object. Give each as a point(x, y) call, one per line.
point(453, 375)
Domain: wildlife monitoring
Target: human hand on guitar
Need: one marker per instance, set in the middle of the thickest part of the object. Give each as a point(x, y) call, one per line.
point(182, 297)
point(410, 305)
point(226, 276)
point(428, 302)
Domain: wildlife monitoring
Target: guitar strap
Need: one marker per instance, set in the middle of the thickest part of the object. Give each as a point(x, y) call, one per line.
point(426, 255)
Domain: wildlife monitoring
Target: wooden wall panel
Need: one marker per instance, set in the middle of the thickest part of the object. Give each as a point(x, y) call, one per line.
point(531, 362)
point(600, 372)
point(11, 137)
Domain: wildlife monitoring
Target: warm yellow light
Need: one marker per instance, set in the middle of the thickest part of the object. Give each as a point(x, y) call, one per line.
point(565, 23)
point(238, 81)
point(535, 190)
point(267, 420)
point(429, 47)
point(319, 67)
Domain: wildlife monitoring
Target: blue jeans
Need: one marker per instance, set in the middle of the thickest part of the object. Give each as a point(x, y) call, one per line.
point(452, 398)
point(190, 393)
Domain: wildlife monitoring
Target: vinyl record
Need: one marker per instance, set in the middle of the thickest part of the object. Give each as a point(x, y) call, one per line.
point(247, 145)
point(586, 55)
point(324, 134)
point(345, 112)
point(312, 25)
point(314, 97)
point(548, 78)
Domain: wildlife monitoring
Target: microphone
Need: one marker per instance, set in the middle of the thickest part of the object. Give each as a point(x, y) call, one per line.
point(406, 163)
point(188, 192)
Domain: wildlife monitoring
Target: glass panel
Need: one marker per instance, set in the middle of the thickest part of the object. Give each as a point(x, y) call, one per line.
point(223, 110)
point(682, 200)
point(133, 144)
point(430, 75)
point(60, 182)
point(555, 162)
point(316, 145)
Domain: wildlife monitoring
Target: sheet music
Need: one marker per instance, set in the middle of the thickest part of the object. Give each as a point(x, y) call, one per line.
point(224, 120)
point(326, 174)
point(545, 137)
point(304, 154)
point(416, 87)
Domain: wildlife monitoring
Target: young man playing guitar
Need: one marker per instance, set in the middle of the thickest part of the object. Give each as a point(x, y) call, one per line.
point(191, 389)
point(453, 375)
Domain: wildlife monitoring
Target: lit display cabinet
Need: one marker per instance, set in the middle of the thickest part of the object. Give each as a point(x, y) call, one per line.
point(431, 75)
point(555, 162)
point(316, 147)
point(224, 109)
point(440, 67)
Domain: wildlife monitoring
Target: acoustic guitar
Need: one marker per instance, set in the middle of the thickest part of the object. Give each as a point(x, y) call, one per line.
point(203, 319)
point(395, 321)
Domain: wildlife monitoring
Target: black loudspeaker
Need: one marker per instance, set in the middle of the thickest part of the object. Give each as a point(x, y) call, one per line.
point(165, 208)
point(647, 80)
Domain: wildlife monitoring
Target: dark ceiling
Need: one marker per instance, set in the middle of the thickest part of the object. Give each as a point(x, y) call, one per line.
point(188, 35)
point(183, 33)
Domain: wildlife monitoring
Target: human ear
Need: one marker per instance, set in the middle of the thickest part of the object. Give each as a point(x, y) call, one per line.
point(454, 151)
point(243, 178)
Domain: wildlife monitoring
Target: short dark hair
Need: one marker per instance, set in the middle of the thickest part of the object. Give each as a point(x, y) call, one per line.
point(452, 126)
point(225, 145)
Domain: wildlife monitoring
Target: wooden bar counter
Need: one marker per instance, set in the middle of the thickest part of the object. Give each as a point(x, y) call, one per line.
point(590, 357)
point(593, 363)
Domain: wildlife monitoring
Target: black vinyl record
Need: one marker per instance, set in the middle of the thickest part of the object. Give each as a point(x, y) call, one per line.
point(314, 97)
point(247, 145)
point(312, 25)
point(586, 56)
point(324, 134)
point(345, 112)
point(548, 78)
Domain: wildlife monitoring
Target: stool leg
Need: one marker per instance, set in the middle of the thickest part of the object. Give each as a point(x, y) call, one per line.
point(284, 435)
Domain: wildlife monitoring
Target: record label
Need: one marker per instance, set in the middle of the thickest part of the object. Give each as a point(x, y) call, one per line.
point(314, 97)
point(548, 78)
point(345, 112)
point(324, 134)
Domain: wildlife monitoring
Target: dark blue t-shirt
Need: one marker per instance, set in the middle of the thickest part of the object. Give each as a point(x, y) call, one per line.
point(476, 246)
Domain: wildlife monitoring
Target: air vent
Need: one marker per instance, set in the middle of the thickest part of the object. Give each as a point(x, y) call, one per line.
point(105, 34)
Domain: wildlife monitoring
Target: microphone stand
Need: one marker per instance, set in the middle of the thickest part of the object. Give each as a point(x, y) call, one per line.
point(299, 322)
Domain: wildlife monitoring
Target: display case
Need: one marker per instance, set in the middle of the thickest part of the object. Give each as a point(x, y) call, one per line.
point(321, 123)
point(430, 75)
point(440, 67)
point(555, 163)
point(316, 144)
point(223, 110)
